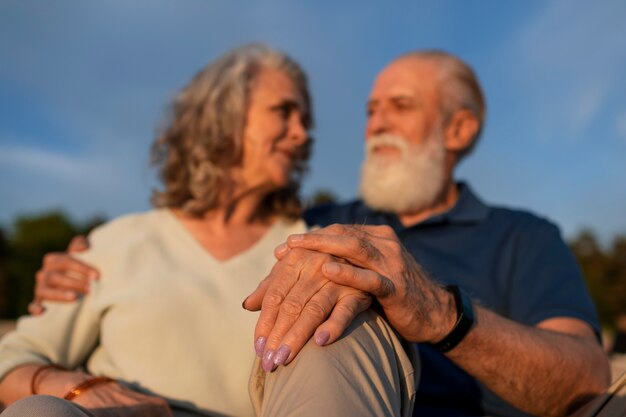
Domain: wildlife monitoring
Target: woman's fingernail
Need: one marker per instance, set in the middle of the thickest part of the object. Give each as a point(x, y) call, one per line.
point(68, 295)
point(322, 338)
point(268, 361)
point(259, 346)
point(243, 305)
point(93, 275)
point(331, 268)
point(281, 355)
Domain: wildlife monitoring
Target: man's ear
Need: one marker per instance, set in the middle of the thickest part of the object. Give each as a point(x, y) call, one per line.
point(461, 131)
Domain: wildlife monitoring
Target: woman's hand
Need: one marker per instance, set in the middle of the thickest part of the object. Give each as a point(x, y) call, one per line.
point(296, 302)
point(108, 399)
point(112, 399)
point(62, 277)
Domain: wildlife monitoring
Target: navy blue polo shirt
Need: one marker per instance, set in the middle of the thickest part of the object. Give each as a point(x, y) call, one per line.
point(510, 261)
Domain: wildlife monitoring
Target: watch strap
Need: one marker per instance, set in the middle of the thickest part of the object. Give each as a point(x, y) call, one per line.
point(464, 320)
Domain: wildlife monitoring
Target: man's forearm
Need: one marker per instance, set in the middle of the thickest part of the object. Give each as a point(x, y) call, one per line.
point(540, 371)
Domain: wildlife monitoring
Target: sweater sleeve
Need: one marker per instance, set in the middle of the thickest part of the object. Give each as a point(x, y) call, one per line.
point(67, 333)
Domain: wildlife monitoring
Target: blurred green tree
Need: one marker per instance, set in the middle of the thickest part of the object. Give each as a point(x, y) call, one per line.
point(31, 237)
point(321, 196)
point(605, 273)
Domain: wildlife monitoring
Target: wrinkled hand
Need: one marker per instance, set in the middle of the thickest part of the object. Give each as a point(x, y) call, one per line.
point(62, 277)
point(418, 308)
point(109, 399)
point(114, 400)
point(297, 301)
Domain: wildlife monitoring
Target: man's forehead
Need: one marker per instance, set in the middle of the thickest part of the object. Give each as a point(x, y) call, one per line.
point(404, 77)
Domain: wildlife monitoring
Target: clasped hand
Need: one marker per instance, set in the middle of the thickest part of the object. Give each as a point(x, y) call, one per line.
point(321, 283)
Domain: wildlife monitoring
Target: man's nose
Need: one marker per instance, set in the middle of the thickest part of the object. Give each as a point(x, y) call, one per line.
point(377, 122)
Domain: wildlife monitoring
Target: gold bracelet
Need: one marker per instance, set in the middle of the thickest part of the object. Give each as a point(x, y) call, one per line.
point(38, 371)
point(86, 385)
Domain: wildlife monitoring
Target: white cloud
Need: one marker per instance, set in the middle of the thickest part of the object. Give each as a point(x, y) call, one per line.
point(45, 163)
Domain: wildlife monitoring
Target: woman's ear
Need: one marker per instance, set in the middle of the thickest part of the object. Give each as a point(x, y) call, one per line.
point(461, 131)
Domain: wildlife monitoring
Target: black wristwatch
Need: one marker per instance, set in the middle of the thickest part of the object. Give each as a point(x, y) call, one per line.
point(464, 320)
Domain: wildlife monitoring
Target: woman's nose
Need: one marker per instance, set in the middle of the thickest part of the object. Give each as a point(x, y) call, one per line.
point(297, 131)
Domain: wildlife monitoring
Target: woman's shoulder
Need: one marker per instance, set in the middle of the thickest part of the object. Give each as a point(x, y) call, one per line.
point(128, 224)
point(126, 229)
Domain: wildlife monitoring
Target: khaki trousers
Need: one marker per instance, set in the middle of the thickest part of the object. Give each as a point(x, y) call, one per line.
point(367, 372)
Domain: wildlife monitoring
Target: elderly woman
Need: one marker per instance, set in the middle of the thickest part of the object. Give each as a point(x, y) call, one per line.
point(163, 331)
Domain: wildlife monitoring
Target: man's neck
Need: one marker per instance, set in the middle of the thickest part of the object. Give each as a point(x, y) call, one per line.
point(447, 200)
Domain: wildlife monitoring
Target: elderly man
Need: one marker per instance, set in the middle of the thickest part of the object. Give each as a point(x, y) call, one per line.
point(491, 297)
point(513, 332)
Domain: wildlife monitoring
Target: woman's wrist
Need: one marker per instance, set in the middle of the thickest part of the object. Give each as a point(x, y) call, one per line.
point(58, 382)
point(86, 386)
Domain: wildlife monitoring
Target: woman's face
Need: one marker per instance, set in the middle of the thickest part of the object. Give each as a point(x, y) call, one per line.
point(274, 132)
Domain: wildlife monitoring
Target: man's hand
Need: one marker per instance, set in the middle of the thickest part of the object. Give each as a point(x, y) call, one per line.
point(418, 308)
point(296, 301)
point(422, 311)
point(62, 277)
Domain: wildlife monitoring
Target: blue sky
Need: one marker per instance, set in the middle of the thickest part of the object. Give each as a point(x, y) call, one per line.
point(84, 85)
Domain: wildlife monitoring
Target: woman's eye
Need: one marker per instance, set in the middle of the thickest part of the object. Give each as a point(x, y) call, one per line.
point(283, 111)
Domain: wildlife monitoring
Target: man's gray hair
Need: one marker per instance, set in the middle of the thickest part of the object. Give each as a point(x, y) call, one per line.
point(459, 88)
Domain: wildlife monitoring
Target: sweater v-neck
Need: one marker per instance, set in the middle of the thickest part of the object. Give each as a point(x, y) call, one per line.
point(190, 241)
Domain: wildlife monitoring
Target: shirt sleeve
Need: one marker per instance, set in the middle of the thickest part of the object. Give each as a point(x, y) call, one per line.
point(547, 281)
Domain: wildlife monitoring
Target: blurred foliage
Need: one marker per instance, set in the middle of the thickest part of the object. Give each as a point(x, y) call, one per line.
point(321, 196)
point(605, 273)
point(23, 246)
point(21, 252)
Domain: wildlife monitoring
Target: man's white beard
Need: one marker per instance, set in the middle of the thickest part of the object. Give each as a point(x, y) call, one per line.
point(405, 183)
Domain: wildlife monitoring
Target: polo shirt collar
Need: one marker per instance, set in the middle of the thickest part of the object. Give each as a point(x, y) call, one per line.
point(469, 209)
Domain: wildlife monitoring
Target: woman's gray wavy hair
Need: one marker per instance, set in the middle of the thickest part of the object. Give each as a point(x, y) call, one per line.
point(204, 134)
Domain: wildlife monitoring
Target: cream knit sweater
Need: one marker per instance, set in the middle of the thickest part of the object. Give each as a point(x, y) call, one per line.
point(165, 317)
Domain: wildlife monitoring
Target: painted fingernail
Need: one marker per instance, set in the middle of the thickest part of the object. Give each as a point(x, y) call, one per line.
point(331, 268)
point(268, 361)
point(259, 346)
point(281, 355)
point(322, 338)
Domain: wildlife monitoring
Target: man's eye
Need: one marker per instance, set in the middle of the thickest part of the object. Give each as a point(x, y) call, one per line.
point(403, 106)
